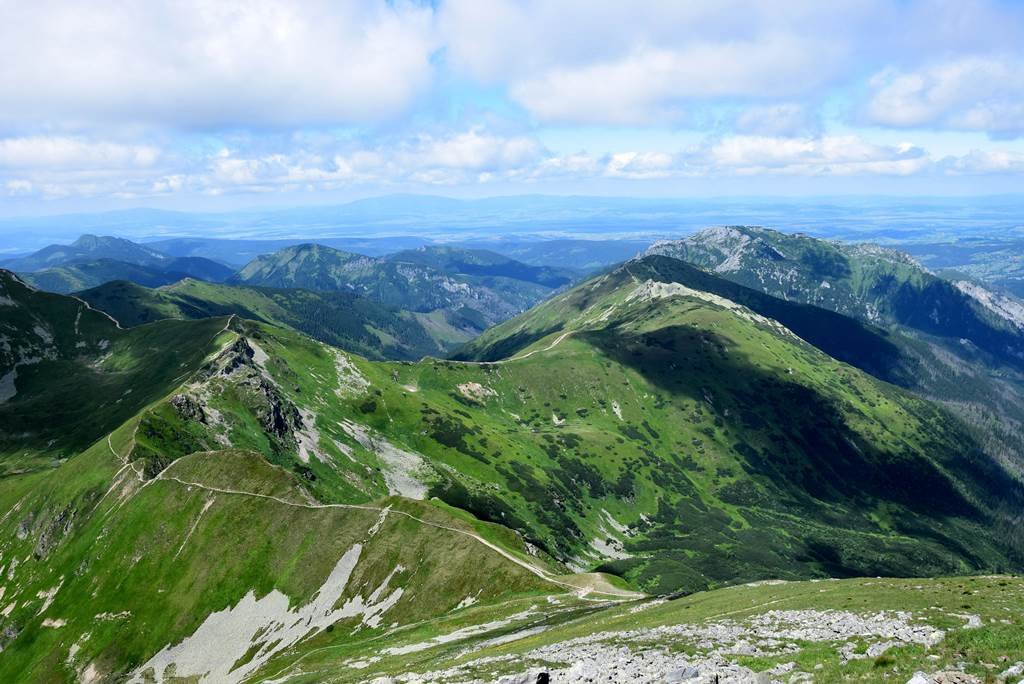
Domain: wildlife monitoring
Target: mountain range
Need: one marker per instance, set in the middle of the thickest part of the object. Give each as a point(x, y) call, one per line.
point(471, 288)
point(432, 298)
point(92, 260)
point(278, 478)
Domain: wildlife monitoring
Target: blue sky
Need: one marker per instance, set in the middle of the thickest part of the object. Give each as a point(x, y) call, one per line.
point(223, 104)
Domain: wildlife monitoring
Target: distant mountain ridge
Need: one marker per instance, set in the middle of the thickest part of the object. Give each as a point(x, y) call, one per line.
point(410, 280)
point(577, 255)
point(481, 262)
point(413, 303)
point(92, 260)
point(87, 248)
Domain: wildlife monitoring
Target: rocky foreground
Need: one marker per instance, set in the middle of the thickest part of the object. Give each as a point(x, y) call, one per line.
point(711, 653)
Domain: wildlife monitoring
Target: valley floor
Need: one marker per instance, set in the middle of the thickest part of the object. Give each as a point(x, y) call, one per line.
point(967, 629)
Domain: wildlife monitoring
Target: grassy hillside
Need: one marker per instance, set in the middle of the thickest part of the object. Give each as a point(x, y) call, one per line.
point(867, 347)
point(122, 559)
point(86, 274)
point(964, 343)
point(106, 577)
point(119, 580)
point(70, 375)
point(342, 319)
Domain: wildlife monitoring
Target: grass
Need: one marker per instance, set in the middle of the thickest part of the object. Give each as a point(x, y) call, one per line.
point(148, 551)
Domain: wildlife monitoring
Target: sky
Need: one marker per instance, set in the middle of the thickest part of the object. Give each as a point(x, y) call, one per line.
point(196, 104)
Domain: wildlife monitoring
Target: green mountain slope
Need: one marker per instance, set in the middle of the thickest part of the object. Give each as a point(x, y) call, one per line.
point(752, 417)
point(116, 578)
point(867, 347)
point(308, 512)
point(467, 302)
point(56, 350)
point(663, 433)
point(122, 559)
point(342, 319)
point(966, 344)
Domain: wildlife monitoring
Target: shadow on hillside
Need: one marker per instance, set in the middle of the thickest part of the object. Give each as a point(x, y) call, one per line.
point(805, 462)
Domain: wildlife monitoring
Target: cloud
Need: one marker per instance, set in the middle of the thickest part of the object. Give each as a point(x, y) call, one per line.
point(18, 186)
point(474, 150)
point(984, 162)
point(229, 63)
point(470, 156)
point(62, 152)
point(970, 94)
point(826, 155)
point(639, 165)
point(654, 86)
point(77, 167)
point(61, 166)
point(620, 66)
point(569, 62)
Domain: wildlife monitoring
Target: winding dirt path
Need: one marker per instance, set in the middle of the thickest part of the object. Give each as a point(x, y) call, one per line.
point(539, 572)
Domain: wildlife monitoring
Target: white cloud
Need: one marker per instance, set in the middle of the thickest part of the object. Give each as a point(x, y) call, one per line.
point(639, 165)
point(168, 184)
point(971, 93)
point(580, 165)
point(983, 162)
point(653, 85)
point(614, 63)
point(826, 155)
point(604, 62)
point(469, 156)
point(18, 186)
point(61, 166)
point(465, 158)
point(61, 152)
point(473, 150)
point(223, 63)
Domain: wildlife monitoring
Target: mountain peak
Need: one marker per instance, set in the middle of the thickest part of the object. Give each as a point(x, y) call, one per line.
point(87, 240)
point(91, 242)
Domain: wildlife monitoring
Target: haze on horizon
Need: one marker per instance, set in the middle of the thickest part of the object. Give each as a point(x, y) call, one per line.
point(222, 105)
